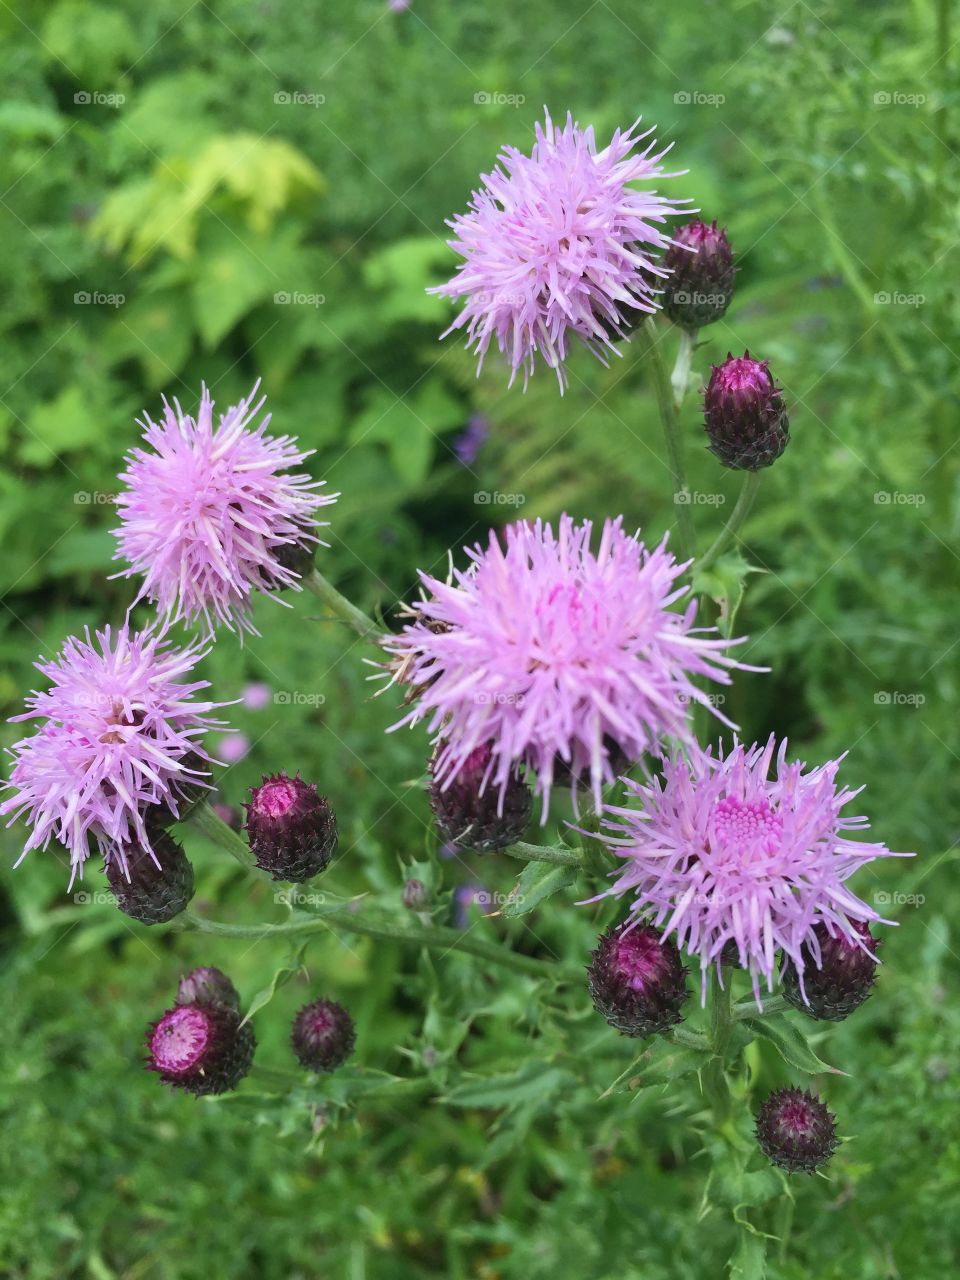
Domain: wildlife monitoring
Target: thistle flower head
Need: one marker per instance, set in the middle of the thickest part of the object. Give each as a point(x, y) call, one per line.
point(292, 828)
point(796, 1130)
point(702, 273)
point(558, 245)
point(213, 513)
point(562, 657)
point(637, 980)
point(718, 851)
point(744, 414)
point(117, 744)
point(152, 885)
point(208, 985)
point(200, 1048)
point(838, 973)
point(323, 1035)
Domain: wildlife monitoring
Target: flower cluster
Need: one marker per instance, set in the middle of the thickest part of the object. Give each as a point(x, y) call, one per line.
point(565, 658)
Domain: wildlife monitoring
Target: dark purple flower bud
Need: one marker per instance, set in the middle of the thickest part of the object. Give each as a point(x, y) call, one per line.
point(208, 985)
point(323, 1035)
point(744, 412)
point(200, 1048)
point(637, 980)
point(472, 439)
point(151, 888)
point(471, 820)
point(415, 896)
point(292, 829)
point(296, 557)
point(796, 1131)
point(193, 787)
point(701, 284)
point(838, 974)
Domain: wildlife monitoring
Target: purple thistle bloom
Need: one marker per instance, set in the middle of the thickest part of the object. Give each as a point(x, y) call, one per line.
point(721, 852)
point(119, 736)
point(565, 659)
point(212, 514)
point(471, 440)
point(557, 243)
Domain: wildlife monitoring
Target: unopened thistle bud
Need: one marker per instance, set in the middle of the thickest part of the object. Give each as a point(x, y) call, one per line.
point(208, 985)
point(833, 988)
point(702, 273)
point(415, 896)
point(323, 1035)
point(744, 413)
point(292, 828)
point(200, 1048)
point(146, 891)
point(796, 1131)
point(484, 822)
point(637, 980)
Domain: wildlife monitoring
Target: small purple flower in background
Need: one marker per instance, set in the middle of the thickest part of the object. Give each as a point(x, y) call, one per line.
point(468, 898)
point(471, 440)
point(570, 661)
point(718, 852)
point(257, 696)
point(211, 515)
point(118, 744)
point(557, 244)
point(398, 6)
point(233, 748)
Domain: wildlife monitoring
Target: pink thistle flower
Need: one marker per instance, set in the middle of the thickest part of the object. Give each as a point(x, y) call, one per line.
point(719, 854)
point(558, 244)
point(212, 514)
point(118, 736)
point(565, 659)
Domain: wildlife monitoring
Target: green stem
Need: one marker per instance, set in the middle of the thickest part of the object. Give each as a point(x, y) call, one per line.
point(341, 606)
point(544, 853)
point(216, 830)
point(389, 1086)
point(771, 1005)
point(437, 937)
point(715, 1082)
point(669, 419)
point(748, 491)
point(680, 378)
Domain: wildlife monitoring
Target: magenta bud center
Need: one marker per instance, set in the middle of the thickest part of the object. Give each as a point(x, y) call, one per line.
point(274, 799)
point(180, 1039)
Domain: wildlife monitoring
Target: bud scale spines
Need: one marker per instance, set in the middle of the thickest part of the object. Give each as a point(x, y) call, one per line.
point(842, 981)
point(291, 827)
point(796, 1131)
point(744, 414)
point(147, 892)
point(470, 820)
point(637, 980)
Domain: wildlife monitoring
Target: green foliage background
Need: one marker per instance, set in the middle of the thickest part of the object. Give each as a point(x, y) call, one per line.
point(200, 198)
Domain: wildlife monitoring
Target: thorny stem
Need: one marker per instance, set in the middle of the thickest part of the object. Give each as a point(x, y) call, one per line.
point(339, 604)
point(748, 491)
point(669, 419)
point(721, 1026)
point(216, 830)
point(680, 378)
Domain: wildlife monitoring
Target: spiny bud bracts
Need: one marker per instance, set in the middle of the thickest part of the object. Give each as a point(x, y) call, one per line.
point(200, 1048)
point(843, 979)
point(292, 829)
point(796, 1131)
point(744, 413)
point(702, 274)
point(323, 1035)
point(470, 820)
point(208, 985)
point(146, 891)
point(637, 980)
